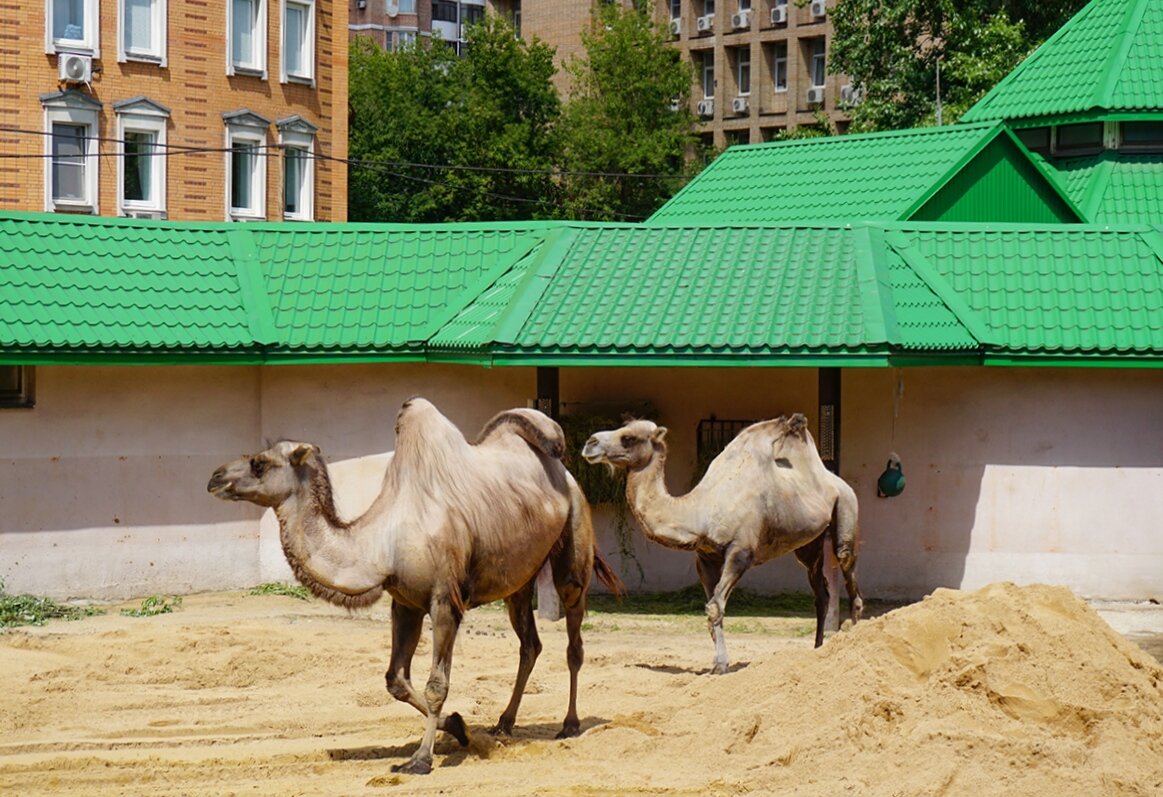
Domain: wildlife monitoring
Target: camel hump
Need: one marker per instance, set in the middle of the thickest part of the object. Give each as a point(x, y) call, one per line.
point(535, 428)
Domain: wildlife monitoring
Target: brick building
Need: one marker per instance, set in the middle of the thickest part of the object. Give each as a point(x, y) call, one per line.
point(179, 109)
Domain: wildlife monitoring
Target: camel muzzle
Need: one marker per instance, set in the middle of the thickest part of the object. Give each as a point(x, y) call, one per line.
point(220, 487)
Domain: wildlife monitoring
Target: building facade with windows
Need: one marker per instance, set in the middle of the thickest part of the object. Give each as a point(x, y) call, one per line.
point(760, 66)
point(393, 24)
point(175, 109)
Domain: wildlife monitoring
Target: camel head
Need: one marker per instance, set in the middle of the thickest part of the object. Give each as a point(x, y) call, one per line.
point(269, 478)
point(632, 446)
point(791, 435)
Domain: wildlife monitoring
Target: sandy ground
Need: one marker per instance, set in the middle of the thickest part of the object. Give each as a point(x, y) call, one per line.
point(1015, 691)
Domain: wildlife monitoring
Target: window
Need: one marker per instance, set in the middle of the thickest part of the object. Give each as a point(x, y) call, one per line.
point(473, 15)
point(142, 31)
point(709, 74)
point(708, 7)
point(744, 5)
point(817, 63)
point(405, 39)
point(675, 9)
point(246, 138)
point(1141, 136)
point(16, 386)
point(247, 37)
point(743, 69)
point(141, 129)
point(1036, 139)
point(444, 11)
point(72, 25)
point(71, 150)
point(406, 6)
point(298, 41)
point(297, 137)
point(1079, 139)
point(779, 67)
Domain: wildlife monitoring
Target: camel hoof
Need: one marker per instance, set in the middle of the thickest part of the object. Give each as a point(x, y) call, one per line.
point(568, 732)
point(454, 724)
point(414, 767)
point(502, 728)
point(719, 668)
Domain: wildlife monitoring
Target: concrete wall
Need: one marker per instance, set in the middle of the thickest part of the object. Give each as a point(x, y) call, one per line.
point(1027, 475)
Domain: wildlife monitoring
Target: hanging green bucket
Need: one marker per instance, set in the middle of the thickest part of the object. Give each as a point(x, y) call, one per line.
point(892, 481)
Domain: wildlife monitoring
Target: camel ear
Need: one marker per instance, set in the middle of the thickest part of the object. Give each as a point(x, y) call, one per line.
point(658, 434)
point(300, 454)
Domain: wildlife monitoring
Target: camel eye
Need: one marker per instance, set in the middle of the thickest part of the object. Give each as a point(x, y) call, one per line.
point(257, 467)
point(629, 441)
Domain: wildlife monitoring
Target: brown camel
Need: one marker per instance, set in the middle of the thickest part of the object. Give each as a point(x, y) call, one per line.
point(456, 525)
point(767, 493)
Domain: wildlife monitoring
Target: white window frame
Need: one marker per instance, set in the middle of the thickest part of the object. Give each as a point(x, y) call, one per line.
point(406, 7)
point(143, 116)
point(299, 134)
point(405, 38)
point(257, 67)
point(708, 74)
point(743, 66)
point(307, 75)
point(78, 110)
point(820, 57)
point(90, 41)
point(779, 60)
point(247, 128)
point(157, 55)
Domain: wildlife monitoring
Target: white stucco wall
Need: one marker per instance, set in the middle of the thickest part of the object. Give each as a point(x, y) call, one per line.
point(1018, 474)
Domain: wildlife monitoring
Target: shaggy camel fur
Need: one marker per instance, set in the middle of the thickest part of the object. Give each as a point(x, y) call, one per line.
point(456, 525)
point(767, 493)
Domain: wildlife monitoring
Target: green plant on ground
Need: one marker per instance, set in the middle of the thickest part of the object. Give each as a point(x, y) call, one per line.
point(33, 610)
point(154, 604)
point(297, 591)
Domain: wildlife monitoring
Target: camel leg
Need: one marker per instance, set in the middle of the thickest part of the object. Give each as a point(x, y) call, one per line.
point(845, 536)
point(520, 605)
point(574, 600)
point(812, 557)
point(735, 564)
point(407, 625)
point(445, 624)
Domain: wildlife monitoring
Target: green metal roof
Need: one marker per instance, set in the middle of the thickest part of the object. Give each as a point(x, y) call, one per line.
point(86, 289)
point(80, 285)
point(887, 176)
point(1112, 187)
point(1109, 56)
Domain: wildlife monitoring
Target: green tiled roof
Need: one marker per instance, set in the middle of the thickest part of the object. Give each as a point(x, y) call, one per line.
point(1051, 292)
point(867, 293)
point(380, 287)
point(1112, 187)
point(87, 286)
point(882, 176)
point(1108, 57)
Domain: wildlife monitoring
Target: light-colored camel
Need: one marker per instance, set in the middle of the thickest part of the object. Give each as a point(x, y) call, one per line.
point(455, 525)
point(767, 493)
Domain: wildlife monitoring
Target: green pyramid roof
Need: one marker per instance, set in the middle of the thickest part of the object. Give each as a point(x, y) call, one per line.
point(1108, 57)
point(1112, 187)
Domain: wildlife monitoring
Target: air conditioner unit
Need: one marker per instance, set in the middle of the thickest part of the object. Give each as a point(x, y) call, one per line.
point(741, 20)
point(819, 8)
point(739, 105)
point(705, 23)
point(706, 107)
point(144, 214)
point(675, 104)
point(779, 15)
point(75, 68)
point(675, 27)
point(816, 95)
point(850, 95)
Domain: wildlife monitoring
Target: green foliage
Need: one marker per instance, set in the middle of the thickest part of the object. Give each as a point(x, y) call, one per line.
point(282, 588)
point(153, 605)
point(892, 48)
point(495, 108)
point(620, 119)
point(33, 610)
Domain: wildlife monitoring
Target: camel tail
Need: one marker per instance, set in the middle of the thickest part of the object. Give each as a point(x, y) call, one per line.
point(535, 428)
point(606, 574)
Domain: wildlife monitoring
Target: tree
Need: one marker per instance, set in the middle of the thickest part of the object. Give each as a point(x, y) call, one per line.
point(434, 137)
point(621, 119)
point(892, 48)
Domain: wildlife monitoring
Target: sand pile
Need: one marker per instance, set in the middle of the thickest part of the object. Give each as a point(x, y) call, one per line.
point(1007, 690)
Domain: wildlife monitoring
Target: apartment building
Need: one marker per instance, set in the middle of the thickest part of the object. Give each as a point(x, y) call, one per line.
point(179, 109)
point(397, 23)
point(760, 66)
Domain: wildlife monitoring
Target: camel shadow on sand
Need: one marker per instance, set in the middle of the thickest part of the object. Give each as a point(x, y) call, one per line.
point(481, 744)
point(670, 669)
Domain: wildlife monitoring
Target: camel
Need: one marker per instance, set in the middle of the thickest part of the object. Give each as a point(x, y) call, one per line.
point(455, 525)
point(767, 493)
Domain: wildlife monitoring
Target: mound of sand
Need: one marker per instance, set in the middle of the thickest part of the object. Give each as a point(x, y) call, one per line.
point(1006, 690)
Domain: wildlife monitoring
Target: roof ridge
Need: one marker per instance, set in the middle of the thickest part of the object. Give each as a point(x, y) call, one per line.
point(1132, 21)
point(956, 127)
point(260, 317)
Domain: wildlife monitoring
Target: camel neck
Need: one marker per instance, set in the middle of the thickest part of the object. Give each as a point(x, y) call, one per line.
point(664, 518)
